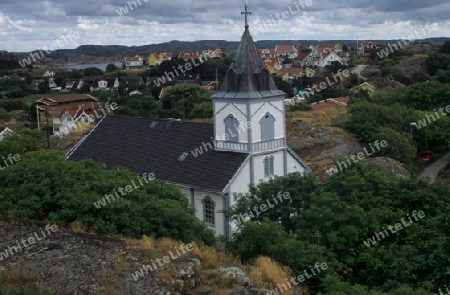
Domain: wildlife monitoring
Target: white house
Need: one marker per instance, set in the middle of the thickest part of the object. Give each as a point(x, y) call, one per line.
point(134, 62)
point(5, 132)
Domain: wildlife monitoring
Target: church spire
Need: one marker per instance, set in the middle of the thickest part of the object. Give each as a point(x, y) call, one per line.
point(247, 76)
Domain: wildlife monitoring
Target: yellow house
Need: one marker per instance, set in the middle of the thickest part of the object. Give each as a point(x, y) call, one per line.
point(215, 52)
point(287, 74)
point(365, 87)
point(308, 73)
point(157, 58)
point(273, 64)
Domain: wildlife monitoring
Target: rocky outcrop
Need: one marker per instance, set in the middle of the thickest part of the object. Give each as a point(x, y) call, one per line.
point(80, 264)
point(321, 147)
point(392, 166)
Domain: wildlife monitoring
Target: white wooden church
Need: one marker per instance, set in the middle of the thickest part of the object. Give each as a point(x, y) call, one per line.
point(238, 156)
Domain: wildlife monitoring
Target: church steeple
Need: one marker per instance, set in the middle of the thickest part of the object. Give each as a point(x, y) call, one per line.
point(247, 97)
point(247, 76)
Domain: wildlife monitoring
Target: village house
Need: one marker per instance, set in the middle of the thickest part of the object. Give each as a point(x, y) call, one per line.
point(324, 54)
point(289, 74)
point(134, 62)
point(367, 87)
point(210, 163)
point(188, 55)
point(267, 52)
point(157, 58)
point(273, 64)
point(5, 131)
point(214, 52)
point(368, 47)
point(286, 51)
point(72, 121)
point(48, 108)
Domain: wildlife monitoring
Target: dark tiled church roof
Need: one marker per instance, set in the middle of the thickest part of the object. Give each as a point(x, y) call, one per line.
point(247, 76)
point(132, 143)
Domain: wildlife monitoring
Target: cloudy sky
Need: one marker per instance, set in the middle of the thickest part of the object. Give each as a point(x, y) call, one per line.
point(33, 24)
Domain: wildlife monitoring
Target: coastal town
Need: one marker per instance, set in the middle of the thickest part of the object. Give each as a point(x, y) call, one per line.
point(143, 153)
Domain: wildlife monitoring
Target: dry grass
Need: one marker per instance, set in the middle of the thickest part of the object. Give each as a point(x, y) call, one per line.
point(15, 277)
point(78, 227)
point(213, 259)
point(144, 244)
point(321, 118)
point(266, 270)
point(108, 283)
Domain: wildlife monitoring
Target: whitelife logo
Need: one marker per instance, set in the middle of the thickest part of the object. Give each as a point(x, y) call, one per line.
point(165, 260)
point(31, 240)
point(55, 45)
point(360, 156)
point(102, 202)
point(411, 38)
point(398, 226)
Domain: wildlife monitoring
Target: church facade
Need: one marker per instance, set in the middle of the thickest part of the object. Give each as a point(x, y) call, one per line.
point(249, 141)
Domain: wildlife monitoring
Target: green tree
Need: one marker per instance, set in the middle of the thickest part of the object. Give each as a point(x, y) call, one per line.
point(85, 88)
point(92, 71)
point(202, 110)
point(331, 221)
point(111, 68)
point(181, 98)
point(4, 115)
point(44, 87)
point(446, 47)
point(283, 85)
point(63, 192)
point(21, 142)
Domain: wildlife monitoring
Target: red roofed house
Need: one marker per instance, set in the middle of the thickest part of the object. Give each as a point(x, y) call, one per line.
point(134, 62)
point(273, 64)
point(57, 105)
point(267, 52)
point(187, 55)
point(288, 51)
point(368, 47)
point(288, 74)
point(325, 54)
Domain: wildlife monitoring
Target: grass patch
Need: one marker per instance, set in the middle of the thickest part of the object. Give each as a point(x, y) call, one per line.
point(14, 282)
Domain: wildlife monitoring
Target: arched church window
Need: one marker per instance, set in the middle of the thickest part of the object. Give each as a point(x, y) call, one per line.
point(209, 213)
point(231, 128)
point(267, 127)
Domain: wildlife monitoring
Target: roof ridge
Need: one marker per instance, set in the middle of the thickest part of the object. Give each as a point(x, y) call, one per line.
point(75, 147)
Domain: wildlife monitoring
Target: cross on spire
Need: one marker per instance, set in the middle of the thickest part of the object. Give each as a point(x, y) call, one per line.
point(246, 13)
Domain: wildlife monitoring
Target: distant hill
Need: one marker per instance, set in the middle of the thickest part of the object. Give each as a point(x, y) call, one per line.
point(226, 46)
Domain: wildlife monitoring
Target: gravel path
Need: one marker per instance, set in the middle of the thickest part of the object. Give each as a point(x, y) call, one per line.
point(432, 170)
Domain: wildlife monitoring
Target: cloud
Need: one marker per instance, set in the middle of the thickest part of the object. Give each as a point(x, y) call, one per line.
point(25, 24)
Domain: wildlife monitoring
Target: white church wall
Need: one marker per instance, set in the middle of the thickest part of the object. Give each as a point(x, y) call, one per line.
point(199, 195)
point(275, 108)
point(241, 182)
point(238, 110)
point(293, 165)
point(278, 163)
